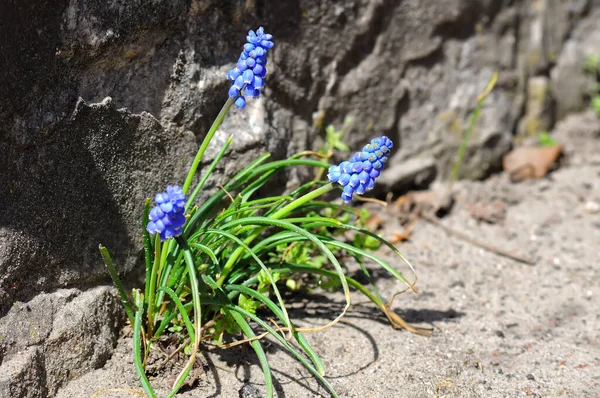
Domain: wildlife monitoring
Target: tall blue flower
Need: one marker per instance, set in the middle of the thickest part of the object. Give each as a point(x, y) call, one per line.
point(358, 174)
point(167, 218)
point(249, 74)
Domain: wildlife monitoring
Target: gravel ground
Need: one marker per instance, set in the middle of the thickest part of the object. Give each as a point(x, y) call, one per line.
point(501, 328)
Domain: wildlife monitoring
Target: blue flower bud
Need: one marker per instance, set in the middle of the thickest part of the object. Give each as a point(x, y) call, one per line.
point(259, 82)
point(357, 167)
point(239, 82)
point(259, 70)
point(250, 69)
point(353, 180)
point(251, 92)
point(240, 102)
point(167, 218)
point(359, 173)
point(233, 92)
point(347, 193)
point(248, 76)
point(334, 173)
point(344, 179)
point(346, 167)
point(363, 177)
point(233, 74)
point(370, 184)
point(241, 65)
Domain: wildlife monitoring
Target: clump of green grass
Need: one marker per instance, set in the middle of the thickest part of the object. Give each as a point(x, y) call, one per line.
point(220, 275)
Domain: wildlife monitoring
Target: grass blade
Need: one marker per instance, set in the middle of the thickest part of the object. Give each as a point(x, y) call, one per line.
point(115, 277)
point(260, 353)
point(137, 343)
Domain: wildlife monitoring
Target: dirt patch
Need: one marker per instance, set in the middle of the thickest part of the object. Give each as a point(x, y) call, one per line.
point(501, 328)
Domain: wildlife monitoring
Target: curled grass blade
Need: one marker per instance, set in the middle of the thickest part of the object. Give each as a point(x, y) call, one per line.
point(289, 226)
point(311, 222)
point(262, 265)
point(260, 353)
point(181, 309)
point(279, 313)
point(396, 321)
point(237, 181)
point(287, 346)
point(207, 250)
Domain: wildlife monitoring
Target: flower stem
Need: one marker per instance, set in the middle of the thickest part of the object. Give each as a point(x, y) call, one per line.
point(151, 288)
point(284, 211)
point(205, 142)
point(189, 260)
point(137, 343)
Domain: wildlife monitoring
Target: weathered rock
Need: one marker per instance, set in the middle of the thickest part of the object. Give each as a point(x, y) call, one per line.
point(580, 135)
point(22, 376)
point(56, 337)
point(538, 115)
point(415, 173)
point(571, 85)
point(78, 184)
point(545, 24)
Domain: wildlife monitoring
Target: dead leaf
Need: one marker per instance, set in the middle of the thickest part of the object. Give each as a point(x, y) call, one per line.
point(524, 162)
point(403, 236)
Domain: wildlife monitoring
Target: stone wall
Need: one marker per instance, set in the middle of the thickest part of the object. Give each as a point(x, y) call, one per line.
point(77, 164)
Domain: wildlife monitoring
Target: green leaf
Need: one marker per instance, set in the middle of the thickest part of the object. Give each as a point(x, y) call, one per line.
point(248, 304)
point(544, 139)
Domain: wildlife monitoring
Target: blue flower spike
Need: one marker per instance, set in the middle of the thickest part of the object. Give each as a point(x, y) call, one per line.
point(167, 218)
point(249, 74)
point(358, 174)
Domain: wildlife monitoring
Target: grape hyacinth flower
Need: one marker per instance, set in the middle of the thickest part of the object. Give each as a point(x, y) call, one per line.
point(167, 217)
point(358, 174)
point(249, 74)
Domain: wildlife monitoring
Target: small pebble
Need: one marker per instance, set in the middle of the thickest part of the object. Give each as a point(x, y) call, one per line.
point(500, 333)
point(530, 377)
point(249, 391)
